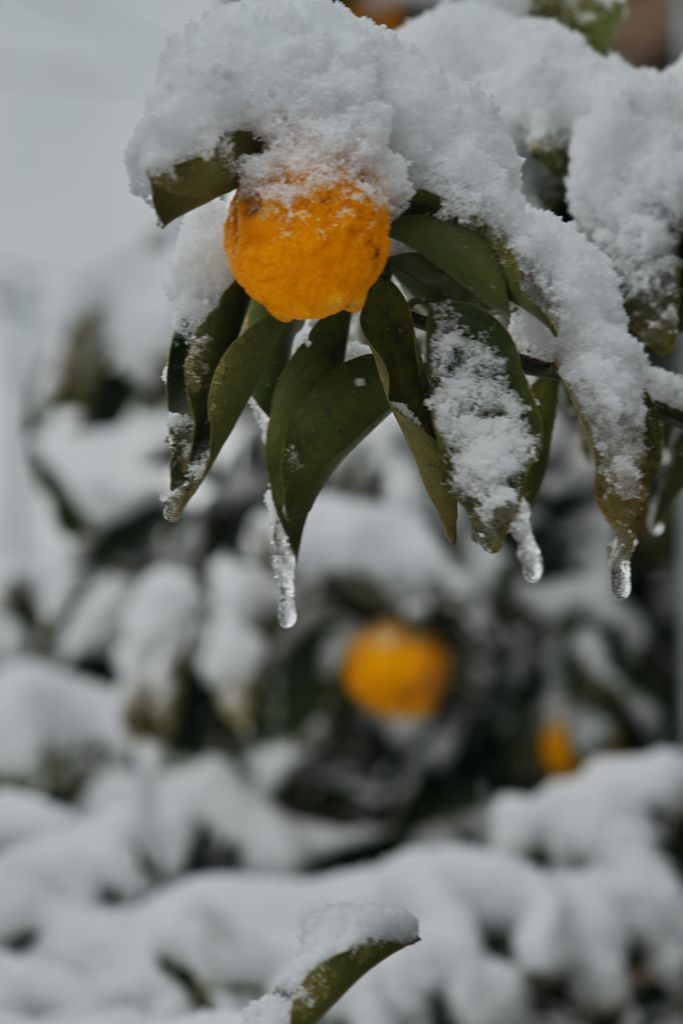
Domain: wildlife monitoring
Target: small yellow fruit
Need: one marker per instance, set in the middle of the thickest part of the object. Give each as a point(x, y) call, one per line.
point(555, 751)
point(394, 669)
point(313, 257)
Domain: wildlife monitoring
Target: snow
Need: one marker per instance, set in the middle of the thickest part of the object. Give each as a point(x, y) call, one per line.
point(666, 387)
point(113, 470)
point(51, 714)
point(625, 184)
point(153, 636)
point(126, 299)
point(542, 76)
point(199, 272)
point(88, 622)
point(283, 562)
point(615, 122)
point(232, 647)
point(528, 552)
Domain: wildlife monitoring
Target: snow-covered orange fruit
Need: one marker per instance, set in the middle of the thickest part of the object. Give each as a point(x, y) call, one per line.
point(392, 669)
point(555, 751)
point(312, 256)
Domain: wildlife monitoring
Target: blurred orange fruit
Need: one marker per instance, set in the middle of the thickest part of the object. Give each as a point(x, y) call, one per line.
point(394, 669)
point(555, 751)
point(313, 256)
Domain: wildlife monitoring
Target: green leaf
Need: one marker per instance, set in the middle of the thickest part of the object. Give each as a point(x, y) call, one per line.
point(328, 982)
point(338, 411)
point(514, 284)
point(545, 392)
point(211, 340)
point(387, 325)
point(220, 391)
point(424, 280)
point(462, 253)
point(491, 531)
point(198, 180)
point(239, 372)
point(180, 423)
point(425, 202)
point(191, 365)
point(309, 364)
point(597, 21)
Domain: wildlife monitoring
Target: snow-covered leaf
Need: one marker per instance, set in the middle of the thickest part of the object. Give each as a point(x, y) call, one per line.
point(328, 982)
point(625, 514)
point(198, 180)
point(461, 252)
point(344, 406)
point(485, 416)
point(234, 380)
point(388, 327)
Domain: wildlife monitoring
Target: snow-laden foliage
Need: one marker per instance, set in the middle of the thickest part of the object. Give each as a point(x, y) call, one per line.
point(412, 118)
point(615, 128)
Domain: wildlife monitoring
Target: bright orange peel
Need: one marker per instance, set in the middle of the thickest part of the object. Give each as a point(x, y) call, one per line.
point(311, 257)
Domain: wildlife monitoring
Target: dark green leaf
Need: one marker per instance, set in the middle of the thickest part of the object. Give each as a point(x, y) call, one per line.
point(337, 413)
point(387, 325)
point(198, 180)
point(598, 21)
point(238, 373)
point(425, 281)
point(461, 252)
point(308, 365)
point(425, 202)
point(190, 369)
point(491, 531)
point(218, 331)
point(181, 426)
point(544, 391)
point(328, 982)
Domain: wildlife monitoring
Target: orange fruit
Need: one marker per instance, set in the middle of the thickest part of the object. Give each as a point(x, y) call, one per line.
point(390, 14)
point(394, 669)
point(315, 256)
point(555, 751)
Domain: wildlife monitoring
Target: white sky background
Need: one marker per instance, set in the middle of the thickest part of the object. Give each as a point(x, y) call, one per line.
point(73, 76)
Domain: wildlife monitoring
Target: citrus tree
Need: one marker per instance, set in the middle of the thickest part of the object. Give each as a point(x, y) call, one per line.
point(367, 181)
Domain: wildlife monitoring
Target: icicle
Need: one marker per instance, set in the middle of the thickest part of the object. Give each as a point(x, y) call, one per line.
point(529, 554)
point(619, 554)
point(283, 564)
